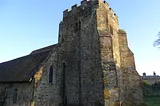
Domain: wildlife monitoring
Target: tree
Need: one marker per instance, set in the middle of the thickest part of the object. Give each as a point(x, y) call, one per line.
point(157, 42)
point(147, 88)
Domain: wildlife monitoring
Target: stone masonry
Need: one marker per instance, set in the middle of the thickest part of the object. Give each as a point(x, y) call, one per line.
point(91, 34)
point(91, 65)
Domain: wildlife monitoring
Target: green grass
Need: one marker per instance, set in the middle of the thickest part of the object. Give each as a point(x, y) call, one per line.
point(152, 101)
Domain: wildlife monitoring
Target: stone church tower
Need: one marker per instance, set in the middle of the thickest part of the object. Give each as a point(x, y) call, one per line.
point(91, 65)
point(99, 66)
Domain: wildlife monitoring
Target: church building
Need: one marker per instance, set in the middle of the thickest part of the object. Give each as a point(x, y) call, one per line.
point(91, 65)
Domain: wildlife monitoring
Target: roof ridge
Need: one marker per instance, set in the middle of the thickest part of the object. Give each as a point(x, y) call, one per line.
point(43, 49)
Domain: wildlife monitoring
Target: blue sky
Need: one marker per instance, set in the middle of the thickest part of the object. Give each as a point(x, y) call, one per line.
point(26, 25)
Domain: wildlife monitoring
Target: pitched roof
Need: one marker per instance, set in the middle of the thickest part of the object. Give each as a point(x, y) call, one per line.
point(23, 68)
point(43, 49)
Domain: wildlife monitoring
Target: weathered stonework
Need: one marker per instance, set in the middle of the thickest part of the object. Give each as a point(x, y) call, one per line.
point(127, 56)
point(45, 93)
point(130, 81)
point(7, 94)
point(91, 65)
point(95, 22)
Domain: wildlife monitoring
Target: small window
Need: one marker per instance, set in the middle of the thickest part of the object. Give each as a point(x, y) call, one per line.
point(51, 74)
point(107, 19)
point(111, 29)
point(15, 95)
point(64, 66)
point(77, 26)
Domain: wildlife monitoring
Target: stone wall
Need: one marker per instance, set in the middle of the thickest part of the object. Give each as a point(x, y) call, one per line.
point(107, 25)
point(16, 94)
point(91, 70)
point(80, 42)
point(130, 86)
point(92, 45)
point(48, 93)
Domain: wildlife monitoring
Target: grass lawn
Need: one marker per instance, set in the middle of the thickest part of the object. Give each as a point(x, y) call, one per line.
point(152, 101)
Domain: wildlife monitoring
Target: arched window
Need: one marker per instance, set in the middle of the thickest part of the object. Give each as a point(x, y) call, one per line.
point(15, 95)
point(51, 74)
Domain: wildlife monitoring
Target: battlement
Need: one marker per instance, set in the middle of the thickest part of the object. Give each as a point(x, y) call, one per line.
point(111, 11)
point(85, 4)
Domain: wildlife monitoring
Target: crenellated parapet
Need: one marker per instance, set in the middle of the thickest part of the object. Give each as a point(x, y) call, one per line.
point(110, 11)
point(85, 4)
point(106, 4)
point(65, 12)
point(113, 14)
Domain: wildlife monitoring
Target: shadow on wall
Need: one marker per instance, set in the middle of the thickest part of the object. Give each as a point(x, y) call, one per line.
point(3, 97)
